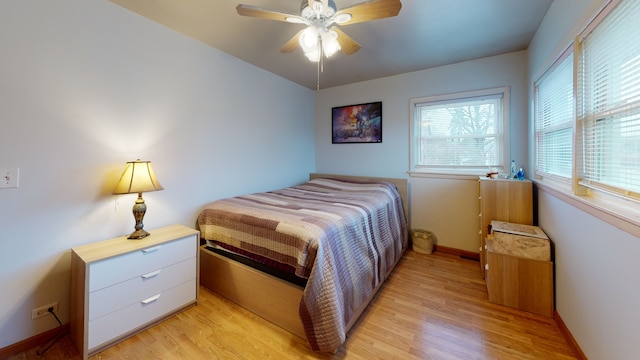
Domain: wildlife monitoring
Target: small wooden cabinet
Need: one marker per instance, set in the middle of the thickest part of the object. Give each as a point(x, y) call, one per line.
point(120, 286)
point(503, 200)
point(519, 270)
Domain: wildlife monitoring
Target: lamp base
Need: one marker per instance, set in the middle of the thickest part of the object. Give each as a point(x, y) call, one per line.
point(138, 234)
point(139, 208)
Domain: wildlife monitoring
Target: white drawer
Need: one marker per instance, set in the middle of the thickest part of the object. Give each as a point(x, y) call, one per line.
point(121, 322)
point(127, 266)
point(112, 298)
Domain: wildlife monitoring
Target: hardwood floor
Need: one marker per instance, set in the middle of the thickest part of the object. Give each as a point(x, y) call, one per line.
point(432, 307)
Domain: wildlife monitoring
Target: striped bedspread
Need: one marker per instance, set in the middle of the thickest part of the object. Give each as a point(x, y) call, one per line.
point(343, 236)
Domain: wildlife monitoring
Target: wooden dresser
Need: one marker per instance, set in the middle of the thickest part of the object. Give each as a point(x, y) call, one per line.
point(120, 286)
point(503, 200)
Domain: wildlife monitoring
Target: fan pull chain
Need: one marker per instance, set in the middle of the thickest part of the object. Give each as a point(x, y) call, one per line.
point(320, 66)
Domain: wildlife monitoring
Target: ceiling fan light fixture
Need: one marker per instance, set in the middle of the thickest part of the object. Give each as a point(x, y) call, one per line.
point(313, 54)
point(321, 38)
point(330, 44)
point(309, 38)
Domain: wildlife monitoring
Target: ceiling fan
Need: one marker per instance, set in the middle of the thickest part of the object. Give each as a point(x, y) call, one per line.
point(321, 17)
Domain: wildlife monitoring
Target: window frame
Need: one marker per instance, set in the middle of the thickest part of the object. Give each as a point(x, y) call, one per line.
point(591, 119)
point(503, 154)
point(614, 208)
point(538, 172)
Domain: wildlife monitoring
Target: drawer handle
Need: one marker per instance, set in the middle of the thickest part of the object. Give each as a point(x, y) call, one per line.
point(151, 249)
point(151, 274)
point(151, 299)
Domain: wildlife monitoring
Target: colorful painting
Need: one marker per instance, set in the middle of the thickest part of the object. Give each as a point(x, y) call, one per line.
point(361, 123)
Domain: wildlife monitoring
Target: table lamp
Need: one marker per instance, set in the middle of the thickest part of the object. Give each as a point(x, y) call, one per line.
point(138, 177)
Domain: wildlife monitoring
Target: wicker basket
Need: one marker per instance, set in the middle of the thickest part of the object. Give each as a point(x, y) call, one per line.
point(423, 241)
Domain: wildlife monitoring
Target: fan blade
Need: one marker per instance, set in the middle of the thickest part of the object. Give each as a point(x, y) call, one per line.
point(292, 44)
point(347, 44)
point(370, 10)
point(254, 11)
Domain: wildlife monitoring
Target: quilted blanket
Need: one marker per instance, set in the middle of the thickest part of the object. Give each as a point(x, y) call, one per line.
point(343, 236)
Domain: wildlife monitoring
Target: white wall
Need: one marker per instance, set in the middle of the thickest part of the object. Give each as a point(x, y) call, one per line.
point(87, 86)
point(448, 207)
point(596, 271)
point(595, 263)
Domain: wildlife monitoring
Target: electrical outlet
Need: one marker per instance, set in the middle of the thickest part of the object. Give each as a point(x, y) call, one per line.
point(43, 310)
point(9, 178)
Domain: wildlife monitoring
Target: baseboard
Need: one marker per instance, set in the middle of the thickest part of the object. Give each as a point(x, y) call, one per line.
point(569, 337)
point(462, 253)
point(32, 342)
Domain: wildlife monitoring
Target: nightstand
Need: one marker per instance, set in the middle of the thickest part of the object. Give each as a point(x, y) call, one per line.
point(120, 286)
point(519, 270)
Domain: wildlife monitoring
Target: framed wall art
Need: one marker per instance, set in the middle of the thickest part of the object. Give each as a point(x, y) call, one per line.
point(359, 123)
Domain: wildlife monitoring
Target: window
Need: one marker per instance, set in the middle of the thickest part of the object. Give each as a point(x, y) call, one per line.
point(553, 120)
point(461, 133)
point(608, 112)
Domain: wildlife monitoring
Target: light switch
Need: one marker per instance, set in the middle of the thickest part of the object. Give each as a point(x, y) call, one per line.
point(9, 178)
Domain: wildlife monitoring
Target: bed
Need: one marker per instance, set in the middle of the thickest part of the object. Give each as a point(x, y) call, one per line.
point(308, 258)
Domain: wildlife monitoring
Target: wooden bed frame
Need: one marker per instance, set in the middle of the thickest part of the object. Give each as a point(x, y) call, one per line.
point(265, 295)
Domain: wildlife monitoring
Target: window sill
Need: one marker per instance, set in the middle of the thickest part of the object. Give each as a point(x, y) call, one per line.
point(621, 213)
point(445, 175)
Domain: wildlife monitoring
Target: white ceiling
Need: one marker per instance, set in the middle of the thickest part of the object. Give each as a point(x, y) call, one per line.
point(426, 33)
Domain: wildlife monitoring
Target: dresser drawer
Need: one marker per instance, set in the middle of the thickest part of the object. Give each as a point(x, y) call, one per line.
point(121, 322)
point(115, 297)
point(124, 267)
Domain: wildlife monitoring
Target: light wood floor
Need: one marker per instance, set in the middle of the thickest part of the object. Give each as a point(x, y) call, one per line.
point(432, 307)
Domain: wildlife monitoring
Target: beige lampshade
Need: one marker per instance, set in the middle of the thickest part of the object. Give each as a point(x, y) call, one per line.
point(138, 177)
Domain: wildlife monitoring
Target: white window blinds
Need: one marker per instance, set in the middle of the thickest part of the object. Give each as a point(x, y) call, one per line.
point(609, 102)
point(464, 133)
point(554, 119)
